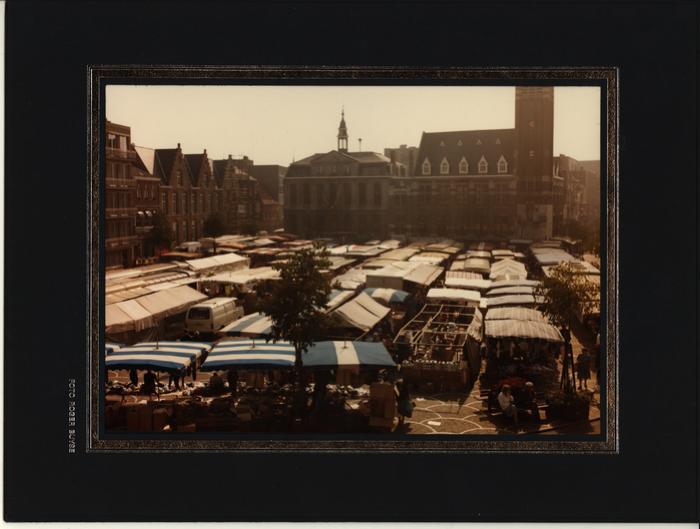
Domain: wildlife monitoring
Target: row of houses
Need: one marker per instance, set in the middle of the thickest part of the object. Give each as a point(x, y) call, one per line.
point(143, 184)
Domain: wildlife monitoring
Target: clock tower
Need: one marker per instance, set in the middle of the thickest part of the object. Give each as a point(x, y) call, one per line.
point(534, 140)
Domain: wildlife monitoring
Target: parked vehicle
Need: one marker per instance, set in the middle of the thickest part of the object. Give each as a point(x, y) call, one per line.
point(211, 315)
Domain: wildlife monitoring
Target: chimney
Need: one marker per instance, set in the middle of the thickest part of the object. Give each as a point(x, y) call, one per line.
point(359, 141)
point(178, 145)
point(229, 156)
point(392, 155)
point(205, 151)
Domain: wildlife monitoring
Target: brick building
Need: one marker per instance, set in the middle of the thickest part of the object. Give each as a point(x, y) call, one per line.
point(121, 240)
point(471, 185)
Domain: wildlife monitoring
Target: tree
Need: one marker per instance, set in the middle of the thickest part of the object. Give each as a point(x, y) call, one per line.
point(565, 292)
point(213, 227)
point(295, 304)
point(161, 234)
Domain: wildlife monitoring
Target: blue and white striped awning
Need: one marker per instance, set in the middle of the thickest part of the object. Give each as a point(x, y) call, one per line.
point(159, 356)
point(112, 347)
point(387, 295)
point(246, 354)
point(252, 325)
point(344, 353)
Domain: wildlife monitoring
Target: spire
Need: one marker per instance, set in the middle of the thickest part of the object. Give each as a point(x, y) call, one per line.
point(342, 133)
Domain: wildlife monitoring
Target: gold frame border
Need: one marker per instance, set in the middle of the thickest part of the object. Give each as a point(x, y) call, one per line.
point(97, 75)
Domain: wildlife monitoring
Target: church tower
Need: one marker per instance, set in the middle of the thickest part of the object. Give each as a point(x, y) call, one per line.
point(534, 143)
point(342, 134)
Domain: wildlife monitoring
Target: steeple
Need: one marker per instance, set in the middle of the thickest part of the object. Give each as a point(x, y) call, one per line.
point(342, 133)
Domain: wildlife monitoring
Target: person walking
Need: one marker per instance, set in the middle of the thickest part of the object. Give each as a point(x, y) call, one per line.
point(583, 369)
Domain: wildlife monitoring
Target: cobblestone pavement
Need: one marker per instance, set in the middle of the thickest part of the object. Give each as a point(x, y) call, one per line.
point(462, 413)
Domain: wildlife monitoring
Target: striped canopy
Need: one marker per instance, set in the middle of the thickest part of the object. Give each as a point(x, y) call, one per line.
point(160, 356)
point(522, 329)
point(111, 347)
point(251, 326)
point(334, 354)
point(387, 295)
point(249, 354)
point(253, 354)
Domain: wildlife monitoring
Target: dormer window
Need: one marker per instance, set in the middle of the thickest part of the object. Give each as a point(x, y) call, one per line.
point(502, 165)
point(426, 167)
point(442, 144)
point(459, 143)
point(478, 142)
point(463, 166)
point(483, 166)
point(498, 141)
point(444, 166)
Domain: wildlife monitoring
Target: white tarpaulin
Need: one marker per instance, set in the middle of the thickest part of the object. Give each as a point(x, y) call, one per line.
point(244, 277)
point(454, 294)
point(522, 329)
point(510, 290)
point(472, 264)
point(140, 317)
point(228, 261)
point(350, 280)
point(361, 312)
point(512, 299)
point(515, 313)
point(470, 280)
point(169, 302)
point(509, 268)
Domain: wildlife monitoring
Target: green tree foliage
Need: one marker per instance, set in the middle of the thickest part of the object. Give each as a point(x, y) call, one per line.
point(564, 292)
point(295, 303)
point(161, 235)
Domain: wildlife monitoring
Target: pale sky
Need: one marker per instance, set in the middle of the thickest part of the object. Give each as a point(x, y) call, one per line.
point(278, 124)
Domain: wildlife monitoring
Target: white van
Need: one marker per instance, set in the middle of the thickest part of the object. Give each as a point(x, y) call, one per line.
point(211, 315)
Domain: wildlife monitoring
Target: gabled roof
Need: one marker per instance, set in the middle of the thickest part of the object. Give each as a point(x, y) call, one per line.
point(194, 165)
point(468, 144)
point(163, 164)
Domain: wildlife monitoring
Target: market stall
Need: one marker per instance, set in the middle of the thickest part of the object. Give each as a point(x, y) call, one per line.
point(253, 325)
point(360, 314)
point(249, 354)
point(439, 347)
point(168, 356)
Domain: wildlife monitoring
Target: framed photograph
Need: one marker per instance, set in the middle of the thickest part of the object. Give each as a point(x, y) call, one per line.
point(454, 281)
point(350, 262)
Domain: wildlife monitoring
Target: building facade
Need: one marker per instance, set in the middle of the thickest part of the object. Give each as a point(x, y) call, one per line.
point(472, 185)
point(339, 193)
point(120, 236)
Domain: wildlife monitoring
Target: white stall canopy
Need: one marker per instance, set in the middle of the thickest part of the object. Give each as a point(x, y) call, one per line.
point(361, 312)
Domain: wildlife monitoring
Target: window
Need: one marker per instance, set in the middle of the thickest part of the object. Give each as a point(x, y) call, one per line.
point(293, 195)
point(347, 194)
point(502, 165)
point(463, 166)
point(306, 197)
point(483, 166)
point(183, 203)
point(444, 166)
point(193, 203)
point(498, 141)
point(459, 142)
point(442, 144)
point(478, 141)
point(362, 194)
point(426, 167)
point(164, 202)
